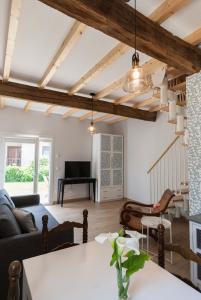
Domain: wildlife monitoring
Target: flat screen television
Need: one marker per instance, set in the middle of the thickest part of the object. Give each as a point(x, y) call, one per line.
point(75, 169)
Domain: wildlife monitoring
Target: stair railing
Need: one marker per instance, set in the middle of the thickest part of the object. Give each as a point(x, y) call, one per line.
point(169, 170)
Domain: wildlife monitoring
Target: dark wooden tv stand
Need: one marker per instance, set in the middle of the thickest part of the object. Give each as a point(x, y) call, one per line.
point(66, 181)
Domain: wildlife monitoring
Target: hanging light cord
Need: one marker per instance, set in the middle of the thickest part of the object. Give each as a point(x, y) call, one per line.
point(92, 115)
point(135, 26)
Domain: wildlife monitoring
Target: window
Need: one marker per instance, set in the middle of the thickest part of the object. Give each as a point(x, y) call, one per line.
point(14, 155)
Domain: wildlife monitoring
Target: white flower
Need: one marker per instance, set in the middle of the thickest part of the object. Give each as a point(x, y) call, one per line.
point(128, 244)
point(135, 234)
point(101, 238)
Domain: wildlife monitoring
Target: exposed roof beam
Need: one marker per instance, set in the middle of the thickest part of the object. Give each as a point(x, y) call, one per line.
point(50, 110)
point(103, 118)
point(128, 97)
point(152, 39)
point(117, 120)
point(2, 102)
point(167, 9)
point(146, 102)
point(107, 60)
point(12, 32)
point(109, 88)
point(27, 106)
point(71, 39)
point(87, 115)
point(69, 113)
point(21, 91)
point(194, 38)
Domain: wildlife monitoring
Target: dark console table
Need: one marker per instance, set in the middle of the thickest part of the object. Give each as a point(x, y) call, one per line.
point(66, 181)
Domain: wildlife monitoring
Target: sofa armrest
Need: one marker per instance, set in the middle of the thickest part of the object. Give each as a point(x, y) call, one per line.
point(27, 200)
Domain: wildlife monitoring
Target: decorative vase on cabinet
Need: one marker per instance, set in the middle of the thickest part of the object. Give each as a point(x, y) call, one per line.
point(107, 166)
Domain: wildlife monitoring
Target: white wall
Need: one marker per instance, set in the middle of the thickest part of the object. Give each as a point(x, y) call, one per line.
point(71, 140)
point(144, 142)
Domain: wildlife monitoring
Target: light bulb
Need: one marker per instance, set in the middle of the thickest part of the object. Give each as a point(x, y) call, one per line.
point(134, 81)
point(92, 128)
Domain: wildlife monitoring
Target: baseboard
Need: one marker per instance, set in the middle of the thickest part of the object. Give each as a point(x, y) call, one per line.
point(74, 200)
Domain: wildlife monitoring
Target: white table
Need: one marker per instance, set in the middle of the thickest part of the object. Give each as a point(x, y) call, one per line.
point(83, 273)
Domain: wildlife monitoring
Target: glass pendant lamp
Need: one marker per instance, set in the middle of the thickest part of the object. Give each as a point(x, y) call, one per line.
point(92, 128)
point(135, 81)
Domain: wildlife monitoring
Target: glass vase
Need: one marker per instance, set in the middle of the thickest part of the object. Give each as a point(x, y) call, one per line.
point(122, 282)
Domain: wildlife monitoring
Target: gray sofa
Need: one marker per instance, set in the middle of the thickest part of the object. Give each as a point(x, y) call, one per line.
point(25, 245)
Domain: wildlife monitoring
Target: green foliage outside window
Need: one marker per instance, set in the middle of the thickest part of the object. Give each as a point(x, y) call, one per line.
point(25, 174)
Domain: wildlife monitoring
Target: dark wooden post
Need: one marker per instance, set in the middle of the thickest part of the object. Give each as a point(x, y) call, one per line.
point(85, 226)
point(14, 272)
point(161, 245)
point(45, 233)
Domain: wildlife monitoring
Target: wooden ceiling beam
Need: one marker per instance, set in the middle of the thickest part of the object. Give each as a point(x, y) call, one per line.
point(12, 33)
point(107, 60)
point(194, 38)
point(27, 106)
point(129, 97)
point(117, 120)
point(103, 118)
point(152, 39)
point(69, 42)
point(69, 113)
point(50, 110)
point(146, 102)
point(22, 91)
point(88, 115)
point(167, 9)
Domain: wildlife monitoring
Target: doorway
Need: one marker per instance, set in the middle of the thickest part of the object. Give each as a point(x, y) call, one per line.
point(27, 167)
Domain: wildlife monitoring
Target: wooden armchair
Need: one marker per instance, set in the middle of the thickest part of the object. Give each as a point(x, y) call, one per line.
point(133, 211)
point(185, 252)
point(46, 234)
point(14, 273)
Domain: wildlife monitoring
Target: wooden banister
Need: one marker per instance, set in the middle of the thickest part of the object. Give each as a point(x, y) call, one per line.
point(163, 154)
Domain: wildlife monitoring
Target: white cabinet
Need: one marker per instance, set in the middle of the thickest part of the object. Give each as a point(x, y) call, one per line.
point(195, 241)
point(107, 166)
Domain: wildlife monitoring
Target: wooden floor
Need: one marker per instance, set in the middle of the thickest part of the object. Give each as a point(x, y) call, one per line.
point(104, 217)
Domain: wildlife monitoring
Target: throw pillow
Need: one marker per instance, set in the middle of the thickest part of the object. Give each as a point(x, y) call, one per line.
point(8, 223)
point(25, 220)
point(5, 199)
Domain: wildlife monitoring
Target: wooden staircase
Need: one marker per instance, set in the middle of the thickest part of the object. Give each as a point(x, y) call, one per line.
point(170, 171)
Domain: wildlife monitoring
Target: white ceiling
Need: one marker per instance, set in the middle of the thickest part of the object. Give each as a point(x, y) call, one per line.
point(42, 29)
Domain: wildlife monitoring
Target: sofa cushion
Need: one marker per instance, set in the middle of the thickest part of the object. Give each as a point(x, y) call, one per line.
point(5, 199)
point(38, 211)
point(8, 224)
point(25, 220)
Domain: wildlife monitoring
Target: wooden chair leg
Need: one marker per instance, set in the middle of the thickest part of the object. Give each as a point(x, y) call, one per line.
point(45, 234)
point(161, 245)
point(14, 272)
point(85, 226)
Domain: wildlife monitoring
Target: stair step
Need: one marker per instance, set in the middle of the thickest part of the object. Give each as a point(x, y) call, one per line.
point(183, 191)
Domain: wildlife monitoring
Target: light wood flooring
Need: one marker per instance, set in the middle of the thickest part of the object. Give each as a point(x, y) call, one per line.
point(104, 217)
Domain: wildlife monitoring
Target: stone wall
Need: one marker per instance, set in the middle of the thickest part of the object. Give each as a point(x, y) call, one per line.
point(194, 148)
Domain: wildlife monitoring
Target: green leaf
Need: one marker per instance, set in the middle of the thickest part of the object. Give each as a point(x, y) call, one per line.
point(121, 232)
point(115, 255)
point(135, 262)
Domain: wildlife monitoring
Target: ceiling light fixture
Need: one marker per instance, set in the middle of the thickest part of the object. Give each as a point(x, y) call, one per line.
point(92, 128)
point(135, 81)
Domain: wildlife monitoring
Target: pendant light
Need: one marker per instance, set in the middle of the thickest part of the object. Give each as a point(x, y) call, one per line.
point(135, 81)
point(92, 128)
